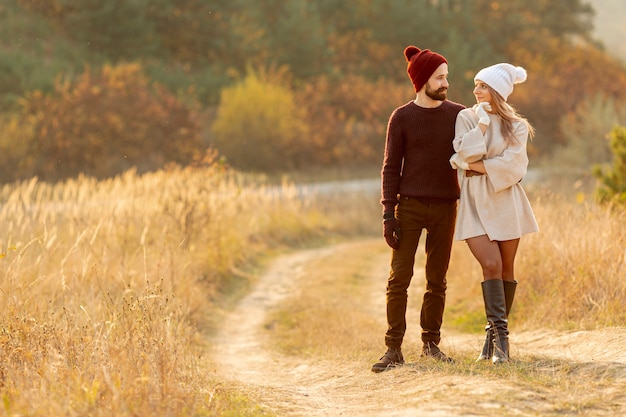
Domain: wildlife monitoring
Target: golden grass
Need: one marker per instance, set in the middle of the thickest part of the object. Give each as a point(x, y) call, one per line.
point(335, 319)
point(571, 274)
point(574, 270)
point(108, 288)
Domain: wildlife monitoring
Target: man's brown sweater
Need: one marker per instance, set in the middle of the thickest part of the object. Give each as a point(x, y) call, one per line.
point(417, 153)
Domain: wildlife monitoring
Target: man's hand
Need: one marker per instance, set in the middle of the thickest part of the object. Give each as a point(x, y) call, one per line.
point(391, 230)
point(481, 111)
point(457, 163)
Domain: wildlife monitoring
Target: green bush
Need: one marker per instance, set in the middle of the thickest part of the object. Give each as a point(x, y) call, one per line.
point(612, 186)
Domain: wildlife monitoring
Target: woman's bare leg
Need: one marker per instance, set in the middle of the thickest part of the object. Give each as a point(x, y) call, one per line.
point(488, 255)
point(508, 250)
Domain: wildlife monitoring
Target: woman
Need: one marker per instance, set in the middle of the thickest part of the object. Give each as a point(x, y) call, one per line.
point(494, 212)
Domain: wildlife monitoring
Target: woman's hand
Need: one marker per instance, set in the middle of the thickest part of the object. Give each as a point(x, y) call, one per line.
point(481, 111)
point(478, 166)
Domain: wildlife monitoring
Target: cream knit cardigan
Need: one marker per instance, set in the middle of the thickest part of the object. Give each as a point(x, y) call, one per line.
point(494, 204)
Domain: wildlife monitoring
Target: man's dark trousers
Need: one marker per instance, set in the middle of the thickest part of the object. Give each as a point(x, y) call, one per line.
point(438, 219)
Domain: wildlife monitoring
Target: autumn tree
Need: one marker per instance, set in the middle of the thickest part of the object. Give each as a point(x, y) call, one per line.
point(107, 121)
point(559, 79)
point(206, 46)
point(115, 29)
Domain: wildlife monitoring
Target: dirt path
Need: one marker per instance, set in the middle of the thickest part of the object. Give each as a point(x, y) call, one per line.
point(576, 373)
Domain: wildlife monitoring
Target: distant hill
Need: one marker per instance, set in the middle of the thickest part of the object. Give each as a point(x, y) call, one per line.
point(610, 25)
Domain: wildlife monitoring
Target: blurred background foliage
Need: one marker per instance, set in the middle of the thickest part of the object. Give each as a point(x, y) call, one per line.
point(96, 87)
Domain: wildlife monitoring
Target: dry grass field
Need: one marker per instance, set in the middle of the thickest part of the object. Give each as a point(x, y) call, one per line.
point(107, 288)
point(114, 293)
point(314, 323)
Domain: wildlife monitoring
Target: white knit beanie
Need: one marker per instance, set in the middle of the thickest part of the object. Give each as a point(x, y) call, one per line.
point(502, 77)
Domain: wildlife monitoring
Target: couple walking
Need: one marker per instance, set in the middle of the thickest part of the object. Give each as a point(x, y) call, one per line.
point(438, 152)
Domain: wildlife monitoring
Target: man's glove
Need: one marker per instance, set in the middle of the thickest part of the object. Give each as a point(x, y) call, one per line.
point(457, 163)
point(481, 110)
point(391, 230)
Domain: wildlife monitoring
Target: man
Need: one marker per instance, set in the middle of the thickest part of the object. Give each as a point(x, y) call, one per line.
point(419, 191)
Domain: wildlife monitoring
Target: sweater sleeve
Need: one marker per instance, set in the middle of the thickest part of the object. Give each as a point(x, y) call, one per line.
point(508, 168)
point(392, 164)
point(469, 141)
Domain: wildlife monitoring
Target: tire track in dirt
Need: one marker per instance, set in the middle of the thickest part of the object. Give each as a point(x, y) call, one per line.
point(340, 388)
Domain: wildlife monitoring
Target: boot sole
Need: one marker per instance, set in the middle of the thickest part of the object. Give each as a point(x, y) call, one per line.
point(379, 369)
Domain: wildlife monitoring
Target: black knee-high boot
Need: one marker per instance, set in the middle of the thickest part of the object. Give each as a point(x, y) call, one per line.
point(509, 295)
point(495, 309)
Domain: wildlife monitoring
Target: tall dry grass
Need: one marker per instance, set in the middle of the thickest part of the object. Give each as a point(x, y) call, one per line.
point(336, 319)
point(336, 322)
point(571, 274)
point(574, 271)
point(109, 288)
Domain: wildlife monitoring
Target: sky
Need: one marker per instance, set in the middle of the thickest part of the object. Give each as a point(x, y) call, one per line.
point(610, 25)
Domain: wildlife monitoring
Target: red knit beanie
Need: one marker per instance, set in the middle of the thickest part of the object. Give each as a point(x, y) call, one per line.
point(421, 65)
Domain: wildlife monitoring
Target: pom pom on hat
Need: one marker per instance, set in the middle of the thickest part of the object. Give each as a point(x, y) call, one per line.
point(421, 65)
point(502, 77)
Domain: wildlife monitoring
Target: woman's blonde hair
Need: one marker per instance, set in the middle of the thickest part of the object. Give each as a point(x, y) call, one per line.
point(508, 115)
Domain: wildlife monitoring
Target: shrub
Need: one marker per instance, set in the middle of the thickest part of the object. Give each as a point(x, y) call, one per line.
point(259, 125)
point(612, 186)
point(15, 143)
point(107, 122)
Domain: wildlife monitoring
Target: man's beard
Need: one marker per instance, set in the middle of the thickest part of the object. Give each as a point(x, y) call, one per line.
point(440, 94)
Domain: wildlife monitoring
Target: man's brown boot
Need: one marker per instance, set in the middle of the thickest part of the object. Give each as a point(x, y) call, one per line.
point(392, 358)
point(431, 350)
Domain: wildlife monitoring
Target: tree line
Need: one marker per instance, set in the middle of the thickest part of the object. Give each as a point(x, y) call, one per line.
point(269, 84)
